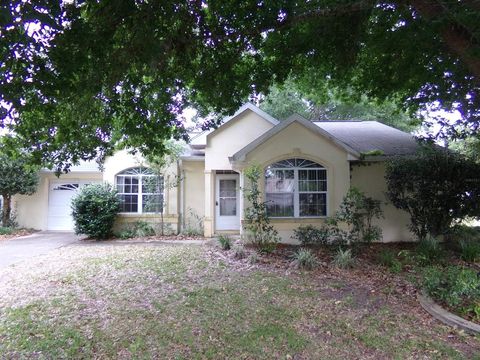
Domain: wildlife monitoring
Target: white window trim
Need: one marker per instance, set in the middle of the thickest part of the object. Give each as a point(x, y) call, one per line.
point(296, 193)
point(140, 192)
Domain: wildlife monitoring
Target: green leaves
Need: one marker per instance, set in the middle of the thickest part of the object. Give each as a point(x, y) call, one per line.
point(94, 210)
point(437, 188)
point(93, 75)
point(17, 176)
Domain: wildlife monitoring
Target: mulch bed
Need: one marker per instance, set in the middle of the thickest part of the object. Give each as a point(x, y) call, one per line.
point(368, 274)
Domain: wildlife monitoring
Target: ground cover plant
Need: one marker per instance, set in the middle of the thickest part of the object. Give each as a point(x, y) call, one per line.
point(455, 287)
point(304, 259)
point(136, 229)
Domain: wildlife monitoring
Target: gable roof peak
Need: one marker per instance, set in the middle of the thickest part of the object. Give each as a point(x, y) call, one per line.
point(296, 116)
point(249, 106)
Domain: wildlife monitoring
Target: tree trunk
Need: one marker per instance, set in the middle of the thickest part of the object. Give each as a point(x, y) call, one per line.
point(6, 210)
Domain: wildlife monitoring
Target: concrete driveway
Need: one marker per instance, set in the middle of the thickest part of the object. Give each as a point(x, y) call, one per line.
point(22, 248)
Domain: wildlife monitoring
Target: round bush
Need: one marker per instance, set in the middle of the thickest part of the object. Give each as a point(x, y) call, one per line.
point(94, 210)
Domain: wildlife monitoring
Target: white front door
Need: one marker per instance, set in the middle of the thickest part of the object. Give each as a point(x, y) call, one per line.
point(227, 208)
point(59, 201)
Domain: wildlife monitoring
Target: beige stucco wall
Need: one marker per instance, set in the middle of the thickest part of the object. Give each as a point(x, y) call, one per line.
point(297, 141)
point(193, 176)
point(32, 210)
point(231, 137)
point(371, 180)
point(123, 160)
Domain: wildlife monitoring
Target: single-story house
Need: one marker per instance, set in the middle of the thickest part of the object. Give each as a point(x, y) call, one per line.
point(308, 166)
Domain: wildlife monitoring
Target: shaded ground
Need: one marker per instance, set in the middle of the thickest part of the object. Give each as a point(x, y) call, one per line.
point(185, 301)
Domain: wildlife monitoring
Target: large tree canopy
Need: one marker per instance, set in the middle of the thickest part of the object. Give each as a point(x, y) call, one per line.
point(321, 101)
point(80, 77)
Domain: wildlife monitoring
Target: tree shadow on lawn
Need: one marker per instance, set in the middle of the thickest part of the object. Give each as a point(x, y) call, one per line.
point(144, 301)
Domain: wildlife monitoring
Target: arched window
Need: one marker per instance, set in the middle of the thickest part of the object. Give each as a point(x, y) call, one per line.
point(296, 188)
point(140, 190)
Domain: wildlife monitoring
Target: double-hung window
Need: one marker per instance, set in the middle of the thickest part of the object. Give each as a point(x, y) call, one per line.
point(296, 188)
point(140, 190)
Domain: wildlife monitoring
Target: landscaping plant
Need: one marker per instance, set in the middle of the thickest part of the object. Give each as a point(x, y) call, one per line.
point(436, 187)
point(429, 250)
point(260, 233)
point(304, 259)
point(225, 242)
point(311, 235)
point(457, 287)
point(193, 223)
point(6, 230)
point(94, 210)
point(16, 177)
point(358, 212)
point(164, 181)
point(343, 259)
point(137, 229)
point(388, 258)
point(470, 250)
point(352, 223)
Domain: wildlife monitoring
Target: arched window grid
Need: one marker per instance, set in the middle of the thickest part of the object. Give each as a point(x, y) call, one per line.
point(296, 188)
point(141, 191)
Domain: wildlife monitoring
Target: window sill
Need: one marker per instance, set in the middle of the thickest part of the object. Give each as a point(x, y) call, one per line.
point(146, 215)
point(292, 219)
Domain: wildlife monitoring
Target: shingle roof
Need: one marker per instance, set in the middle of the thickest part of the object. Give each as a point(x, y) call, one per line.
point(367, 136)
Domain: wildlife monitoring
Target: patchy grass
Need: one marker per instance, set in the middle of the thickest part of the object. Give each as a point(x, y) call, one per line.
point(10, 233)
point(170, 301)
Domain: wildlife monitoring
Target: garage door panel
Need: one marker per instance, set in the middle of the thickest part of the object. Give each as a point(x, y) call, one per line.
point(60, 198)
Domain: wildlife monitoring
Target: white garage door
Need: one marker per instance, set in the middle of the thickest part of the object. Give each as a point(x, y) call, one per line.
point(59, 200)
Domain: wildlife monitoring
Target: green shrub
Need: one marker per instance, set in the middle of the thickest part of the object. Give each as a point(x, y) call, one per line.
point(358, 212)
point(260, 233)
point(388, 258)
point(126, 234)
point(304, 259)
point(437, 188)
point(136, 229)
point(429, 250)
point(239, 251)
point(311, 235)
point(143, 229)
point(225, 242)
point(6, 230)
point(470, 250)
point(452, 285)
point(343, 259)
point(94, 210)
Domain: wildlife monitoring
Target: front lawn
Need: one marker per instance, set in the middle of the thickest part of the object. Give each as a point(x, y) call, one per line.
point(173, 301)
